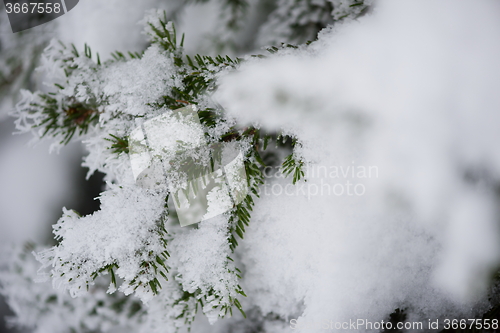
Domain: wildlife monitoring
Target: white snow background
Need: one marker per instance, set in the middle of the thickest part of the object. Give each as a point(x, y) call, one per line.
point(411, 89)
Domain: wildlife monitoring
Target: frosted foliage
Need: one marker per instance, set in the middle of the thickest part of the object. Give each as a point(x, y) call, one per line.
point(299, 21)
point(236, 178)
point(290, 14)
point(120, 109)
point(155, 144)
point(125, 223)
point(199, 190)
point(209, 271)
point(349, 8)
point(395, 116)
point(125, 88)
point(133, 84)
point(54, 311)
point(413, 93)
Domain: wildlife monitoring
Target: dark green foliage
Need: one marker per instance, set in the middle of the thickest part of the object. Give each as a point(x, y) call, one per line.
point(294, 167)
point(65, 120)
point(156, 263)
point(165, 37)
point(191, 301)
point(119, 145)
point(240, 215)
point(119, 56)
point(357, 4)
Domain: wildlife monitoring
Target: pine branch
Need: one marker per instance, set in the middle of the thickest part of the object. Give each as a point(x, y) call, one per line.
point(62, 115)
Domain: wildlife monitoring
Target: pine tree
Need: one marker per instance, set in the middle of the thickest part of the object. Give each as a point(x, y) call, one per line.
point(134, 265)
point(88, 104)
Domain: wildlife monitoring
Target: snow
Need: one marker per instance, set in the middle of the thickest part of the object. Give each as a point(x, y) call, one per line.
point(126, 223)
point(49, 311)
point(126, 238)
point(201, 258)
point(410, 90)
point(97, 23)
point(399, 106)
point(199, 192)
point(125, 83)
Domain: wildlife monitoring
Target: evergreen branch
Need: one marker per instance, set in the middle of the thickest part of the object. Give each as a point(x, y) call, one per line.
point(119, 145)
point(63, 116)
point(63, 121)
point(294, 167)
